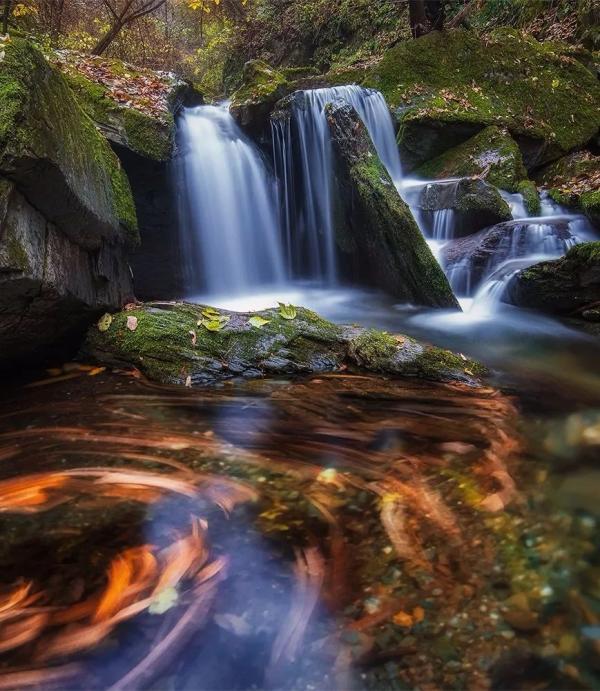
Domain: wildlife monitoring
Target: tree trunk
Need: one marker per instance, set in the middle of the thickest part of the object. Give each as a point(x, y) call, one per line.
point(6, 15)
point(107, 39)
point(435, 11)
point(417, 17)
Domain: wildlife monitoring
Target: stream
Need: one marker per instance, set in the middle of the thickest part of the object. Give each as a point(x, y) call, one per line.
point(339, 531)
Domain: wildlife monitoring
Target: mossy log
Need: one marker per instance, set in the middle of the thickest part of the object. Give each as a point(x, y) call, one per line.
point(169, 343)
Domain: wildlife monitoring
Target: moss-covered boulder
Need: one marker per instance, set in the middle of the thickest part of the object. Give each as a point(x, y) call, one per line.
point(494, 156)
point(252, 103)
point(376, 231)
point(54, 154)
point(131, 106)
point(66, 211)
point(170, 343)
point(574, 181)
point(567, 287)
point(447, 86)
point(475, 204)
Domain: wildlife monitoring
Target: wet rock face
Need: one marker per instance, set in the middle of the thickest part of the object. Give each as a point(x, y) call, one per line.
point(569, 286)
point(475, 204)
point(66, 212)
point(478, 254)
point(50, 287)
point(170, 343)
point(376, 232)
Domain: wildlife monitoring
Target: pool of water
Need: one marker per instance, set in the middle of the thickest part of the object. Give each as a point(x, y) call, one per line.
point(341, 531)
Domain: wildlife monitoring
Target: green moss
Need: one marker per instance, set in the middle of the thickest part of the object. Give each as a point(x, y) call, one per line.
point(531, 196)
point(40, 121)
point(506, 79)
point(375, 349)
point(434, 361)
point(261, 83)
point(17, 256)
point(585, 253)
point(491, 152)
point(149, 136)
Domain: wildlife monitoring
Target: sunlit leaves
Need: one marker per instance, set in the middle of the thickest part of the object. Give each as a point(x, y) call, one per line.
point(214, 324)
point(287, 311)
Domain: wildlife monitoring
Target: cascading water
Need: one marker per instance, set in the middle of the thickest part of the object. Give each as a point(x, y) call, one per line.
point(303, 166)
point(230, 231)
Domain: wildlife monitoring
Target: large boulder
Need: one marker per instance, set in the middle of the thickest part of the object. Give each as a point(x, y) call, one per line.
point(66, 212)
point(376, 232)
point(447, 86)
point(475, 204)
point(135, 108)
point(170, 343)
point(574, 181)
point(132, 107)
point(568, 287)
point(55, 156)
point(253, 102)
point(494, 156)
point(470, 259)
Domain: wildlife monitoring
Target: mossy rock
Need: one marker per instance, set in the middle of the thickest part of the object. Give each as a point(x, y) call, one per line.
point(170, 346)
point(569, 286)
point(146, 135)
point(253, 102)
point(574, 181)
point(475, 203)
point(447, 86)
point(375, 228)
point(491, 154)
point(53, 152)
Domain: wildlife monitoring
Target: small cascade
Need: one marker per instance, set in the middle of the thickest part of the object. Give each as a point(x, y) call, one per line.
point(228, 218)
point(303, 166)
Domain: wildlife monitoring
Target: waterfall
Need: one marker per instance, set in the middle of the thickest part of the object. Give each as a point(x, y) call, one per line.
point(230, 233)
point(303, 166)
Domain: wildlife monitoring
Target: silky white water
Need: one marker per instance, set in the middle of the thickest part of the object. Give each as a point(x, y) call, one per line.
point(231, 236)
point(303, 164)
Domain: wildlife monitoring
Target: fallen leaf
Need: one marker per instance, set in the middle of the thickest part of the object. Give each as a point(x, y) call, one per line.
point(258, 321)
point(132, 323)
point(104, 322)
point(164, 601)
point(192, 333)
point(188, 382)
point(96, 370)
point(287, 311)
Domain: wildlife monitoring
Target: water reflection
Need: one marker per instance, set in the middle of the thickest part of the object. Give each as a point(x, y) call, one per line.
point(339, 532)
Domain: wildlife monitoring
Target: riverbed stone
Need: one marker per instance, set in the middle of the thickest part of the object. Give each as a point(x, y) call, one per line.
point(475, 204)
point(376, 231)
point(171, 344)
point(568, 287)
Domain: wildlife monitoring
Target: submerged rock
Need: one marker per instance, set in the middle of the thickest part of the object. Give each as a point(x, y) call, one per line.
point(66, 211)
point(447, 86)
point(375, 230)
point(475, 204)
point(170, 343)
point(253, 102)
point(569, 286)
